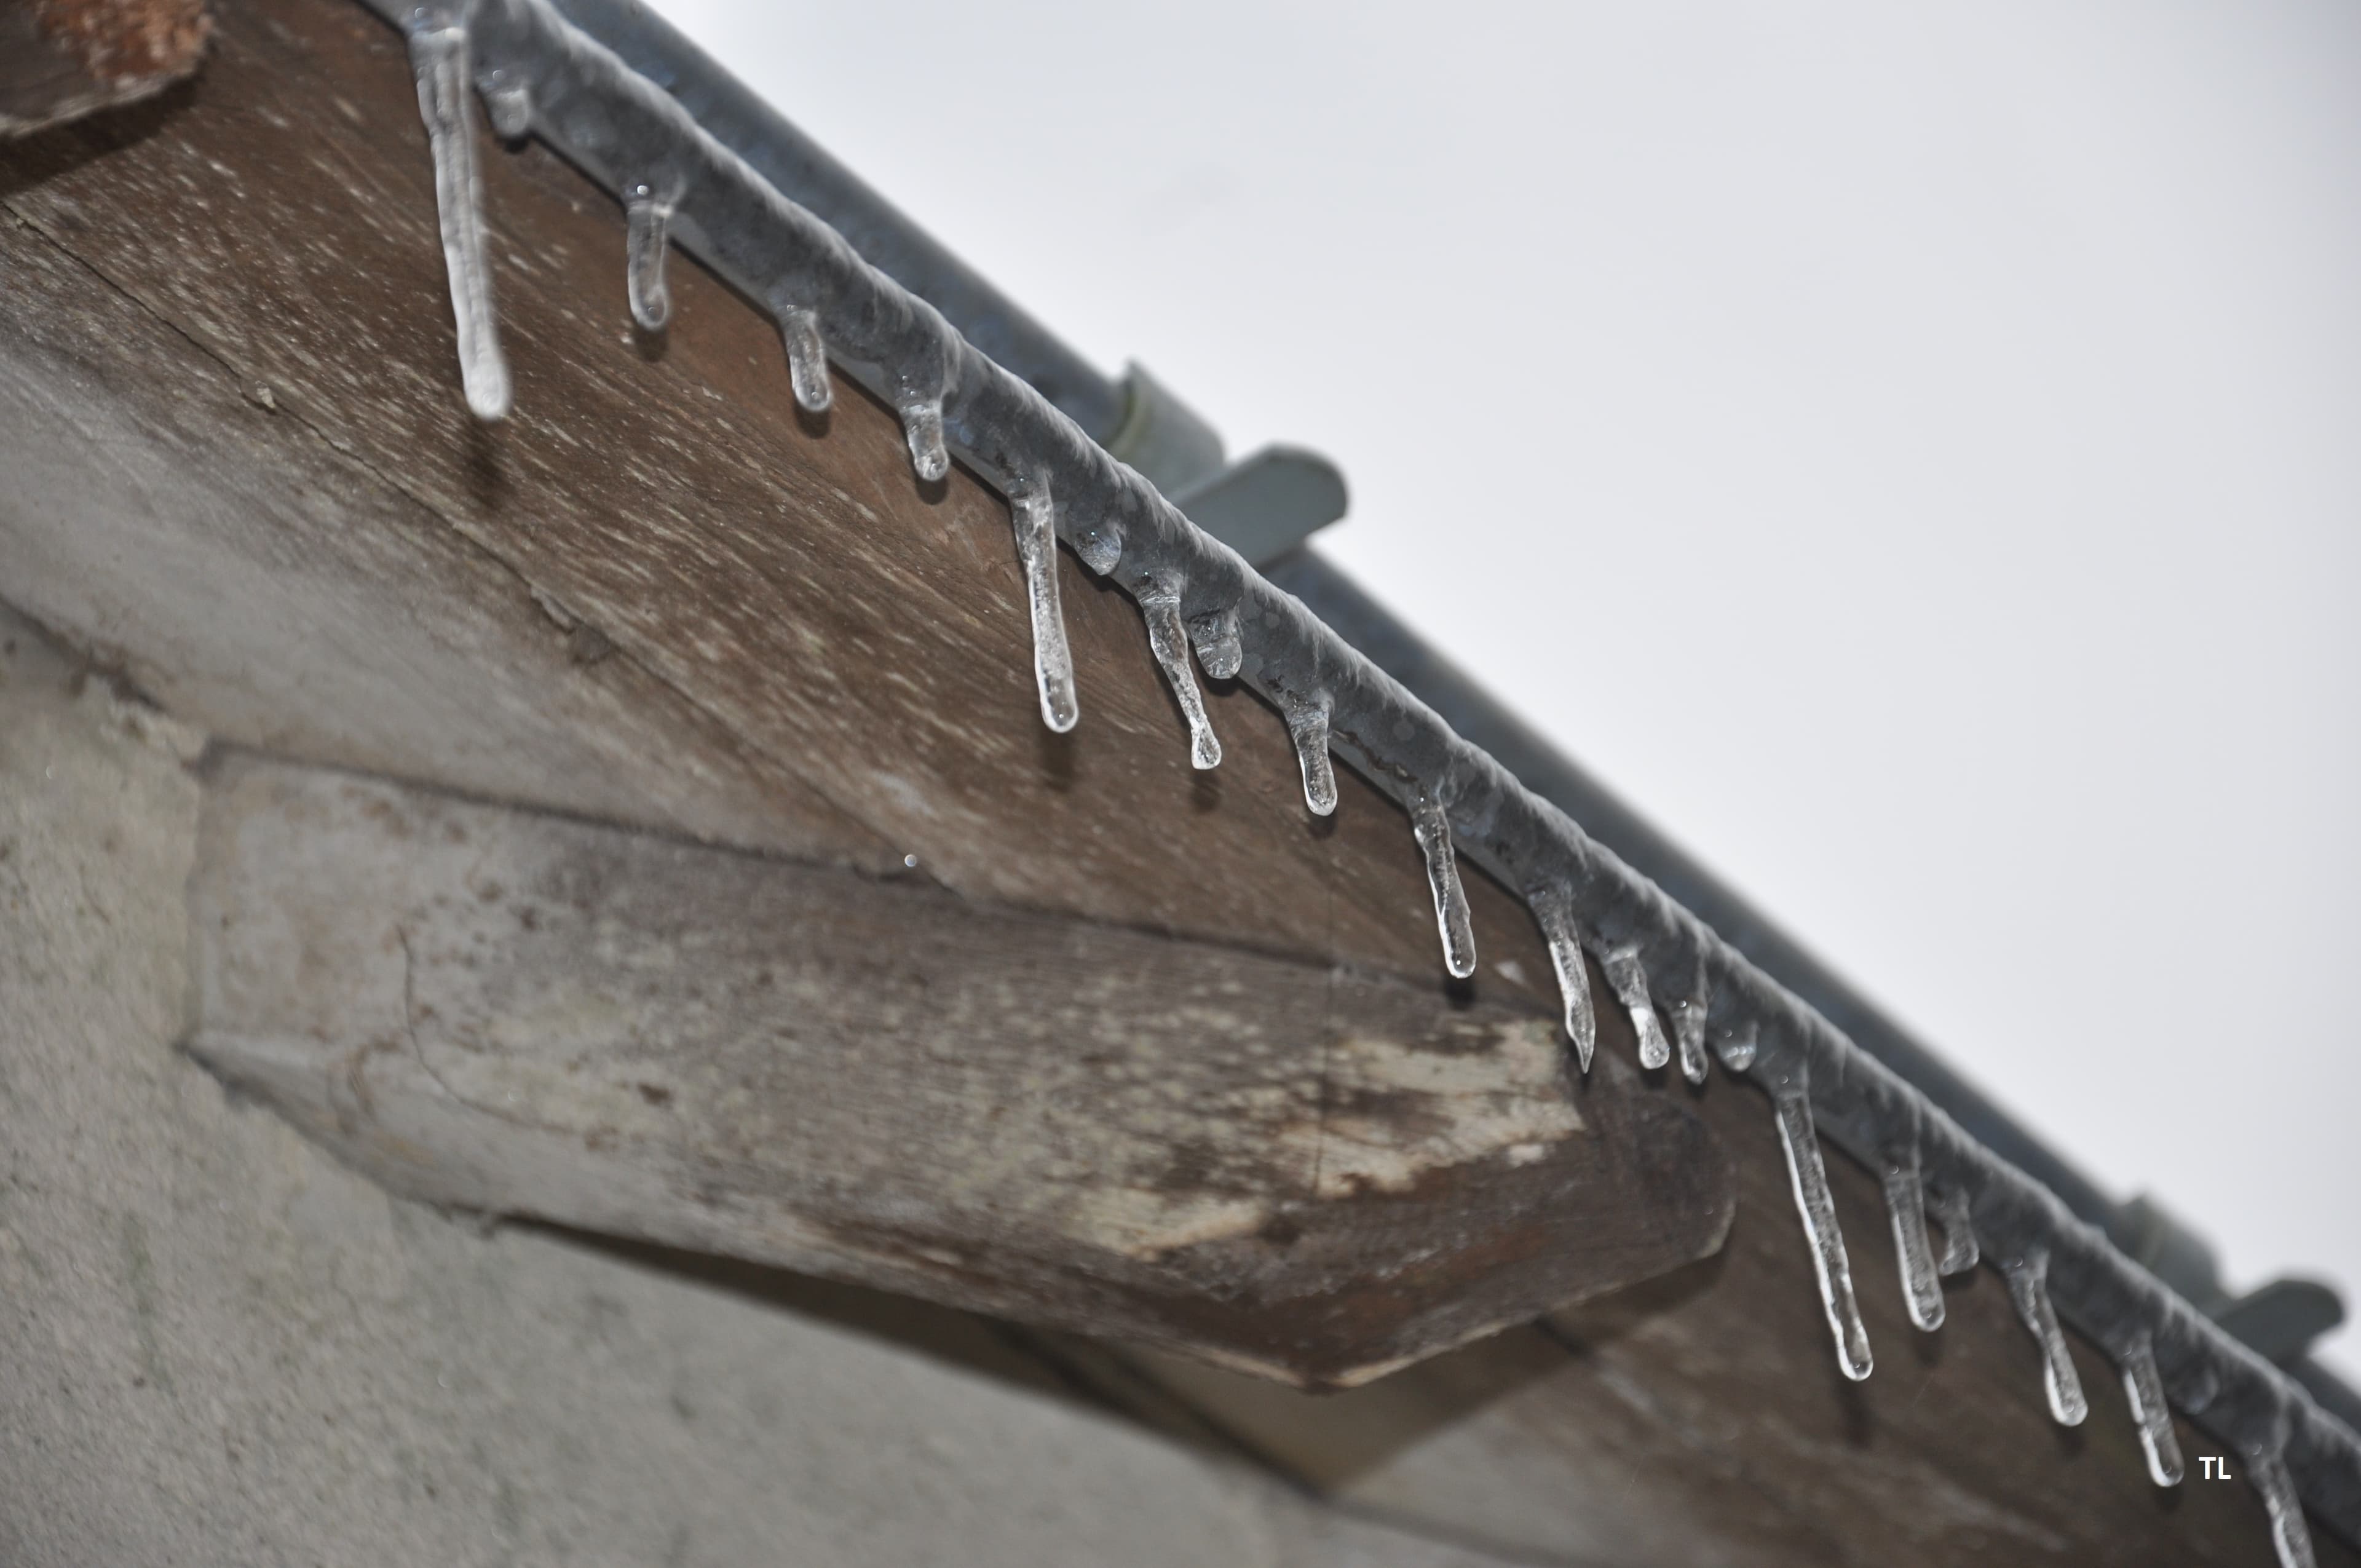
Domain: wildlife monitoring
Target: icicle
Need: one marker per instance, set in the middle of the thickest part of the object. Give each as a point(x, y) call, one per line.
point(806, 359)
point(1688, 1028)
point(1451, 912)
point(509, 106)
point(1953, 1213)
point(2267, 1469)
point(438, 57)
point(2145, 1390)
point(922, 423)
point(1738, 1047)
point(1810, 1179)
point(1628, 981)
point(1037, 549)
point(1307, 726)
point(1216, 640)
point(2028, 1287)
point(1906, 1204)
point(1553, 912)
point(647, 221)
point(1170, 642)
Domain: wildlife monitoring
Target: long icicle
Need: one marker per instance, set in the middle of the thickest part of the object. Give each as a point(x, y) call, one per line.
point(1959, 1251)
point(2028, 1287)
point(1553, 912)
point(1809, 1179)
point(1034, 517)
point(1307, 726)
point(647, 223)
point(2144, 1389)
point(1628, 977)
point(1169, 641)
point(439, 59)
point(1906, 1205)
point(1451, 912)
point(2266, 1470)
point(806, 359)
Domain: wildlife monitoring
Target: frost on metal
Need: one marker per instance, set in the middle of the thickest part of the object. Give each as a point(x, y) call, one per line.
point(679, 185)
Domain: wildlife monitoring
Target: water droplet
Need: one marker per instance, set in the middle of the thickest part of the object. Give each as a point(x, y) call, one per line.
point(1553, 913)
point(2145, 1390)
point(1738, 1049)
point(646, 221)
point(1169, 644)
point(1036, 550)
point(1451, 912)
point(2028, 1287)
point(1953, 1213)
point(1101, 548)
point(806, 359)
point(1906, 1205)
point(1810, 1179)
point(2267, 1472)
point(438, 59)
point(1307, 726)
point(1628, 979)
point(922, 423)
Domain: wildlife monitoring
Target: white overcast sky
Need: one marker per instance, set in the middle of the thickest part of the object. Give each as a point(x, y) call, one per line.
point(1914, 452)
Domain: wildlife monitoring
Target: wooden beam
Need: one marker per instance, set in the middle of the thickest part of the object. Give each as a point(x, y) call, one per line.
point(1317, 1174)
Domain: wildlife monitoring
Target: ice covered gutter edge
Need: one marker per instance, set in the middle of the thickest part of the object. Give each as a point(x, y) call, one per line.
point(538, 73)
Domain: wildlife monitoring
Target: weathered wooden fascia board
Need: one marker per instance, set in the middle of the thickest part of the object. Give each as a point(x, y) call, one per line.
point(1314, 1173)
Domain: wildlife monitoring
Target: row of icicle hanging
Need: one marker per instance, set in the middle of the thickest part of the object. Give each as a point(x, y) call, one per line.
point(1900, 1135)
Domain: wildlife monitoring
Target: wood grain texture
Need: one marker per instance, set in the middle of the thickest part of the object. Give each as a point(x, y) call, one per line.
point(1319, 1174)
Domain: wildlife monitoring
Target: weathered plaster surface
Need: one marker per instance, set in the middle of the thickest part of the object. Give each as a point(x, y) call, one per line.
point(218, 1346)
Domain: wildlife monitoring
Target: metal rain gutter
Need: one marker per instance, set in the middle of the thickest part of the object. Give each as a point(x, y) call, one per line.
point(538, 73)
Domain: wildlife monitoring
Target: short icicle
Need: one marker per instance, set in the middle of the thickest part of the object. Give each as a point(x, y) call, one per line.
point(2267, 1471)
point(1218, 647)
point(2144, 1389)
point(2028, 1287)
point(1553, 913)
point(1169, 641)
point(1954, 1214)
point(1307, 726)
point(1628, 977)
point(647, 223)
point(438, 57)
point(1451, 912)
point(1906, 1205)
point(1689, 1027)
point(509, 106)
point(1033, 516)
point(1739, 1048)
point(1810, 1179)
point(806, 360)
point(922, 424)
